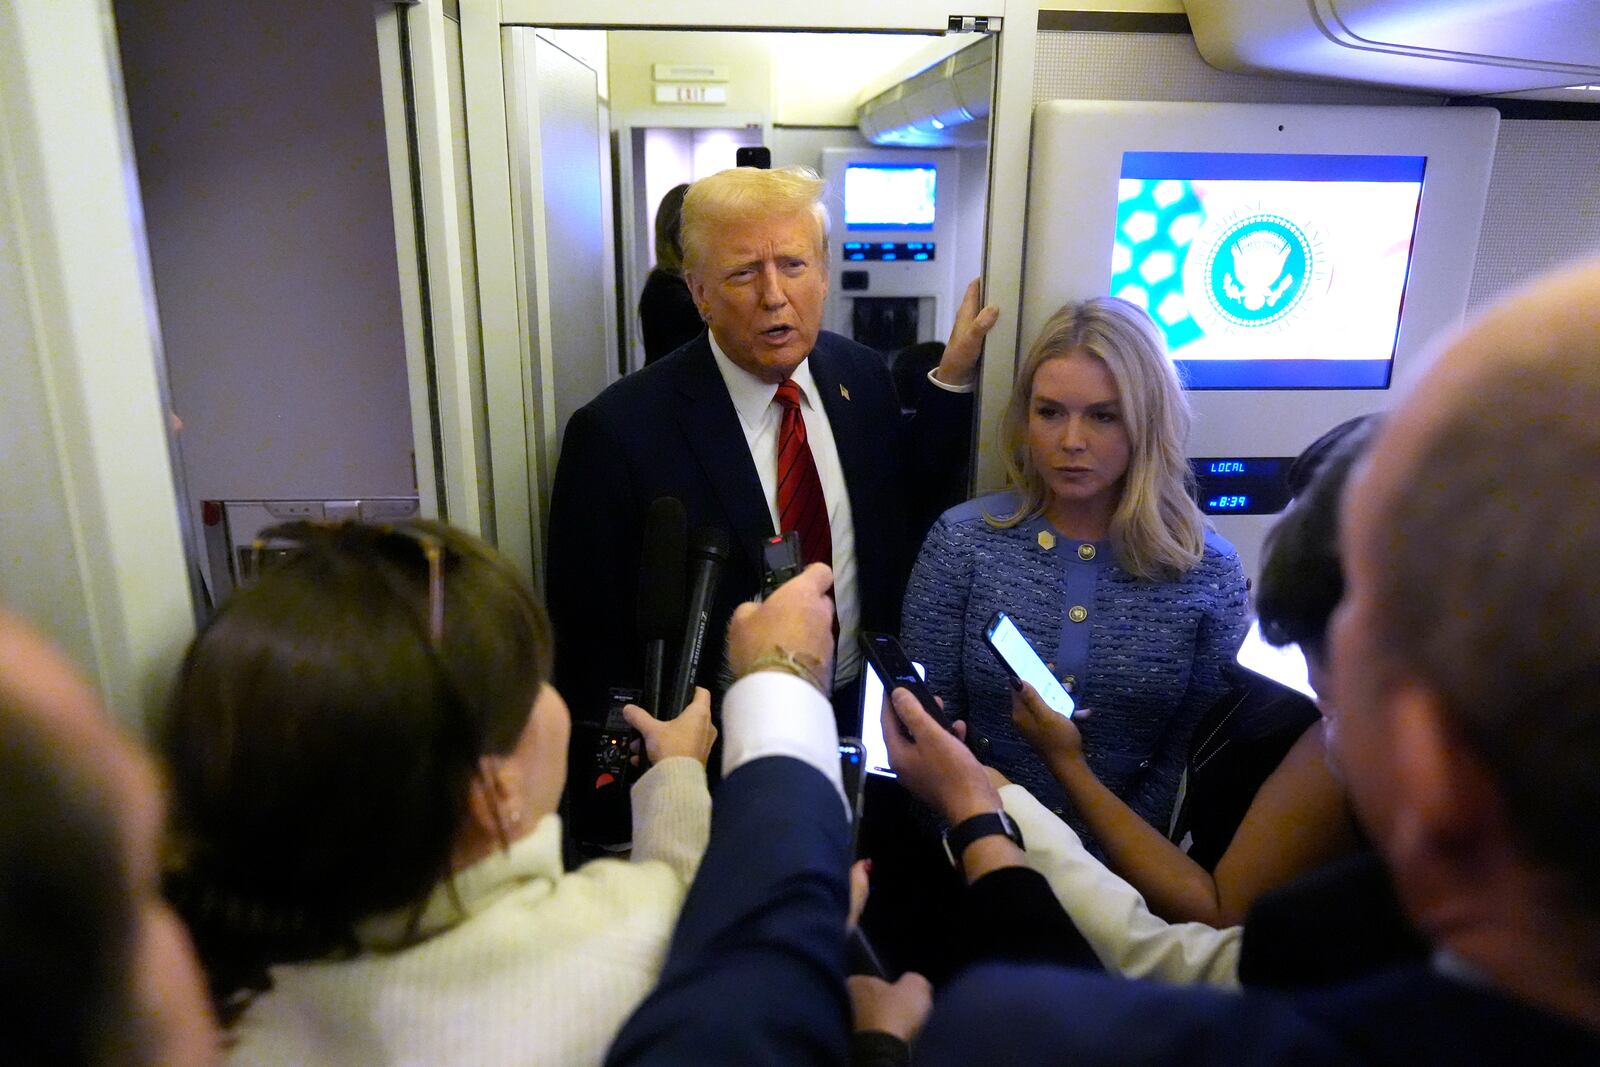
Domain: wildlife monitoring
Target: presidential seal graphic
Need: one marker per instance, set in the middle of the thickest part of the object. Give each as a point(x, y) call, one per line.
point(1253, 270)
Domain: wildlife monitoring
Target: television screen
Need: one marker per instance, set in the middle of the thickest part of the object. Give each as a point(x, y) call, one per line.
point(889, 196)
point(1269, 271)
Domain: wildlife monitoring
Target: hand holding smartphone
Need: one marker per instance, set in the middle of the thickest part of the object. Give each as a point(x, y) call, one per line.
point(1020, 661)
point(890, 662)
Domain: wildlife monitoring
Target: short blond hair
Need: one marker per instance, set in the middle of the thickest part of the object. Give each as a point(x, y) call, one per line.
point(1157, 531)
point(743, 194)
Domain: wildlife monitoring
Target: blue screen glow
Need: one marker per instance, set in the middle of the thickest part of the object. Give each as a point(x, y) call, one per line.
point(1269, 270)
point(889, 196)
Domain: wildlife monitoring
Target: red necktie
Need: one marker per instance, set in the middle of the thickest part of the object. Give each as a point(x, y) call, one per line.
point(801, 506)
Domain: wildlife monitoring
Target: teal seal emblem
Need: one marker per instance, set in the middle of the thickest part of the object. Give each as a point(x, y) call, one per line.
point(1258, 269)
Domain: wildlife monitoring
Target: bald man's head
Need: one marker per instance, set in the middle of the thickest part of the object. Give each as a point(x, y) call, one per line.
point(1473, 542)
point(94, 969)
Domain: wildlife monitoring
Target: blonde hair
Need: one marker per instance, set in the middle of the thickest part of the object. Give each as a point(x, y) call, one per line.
point(1157, 531)
point(743, 194)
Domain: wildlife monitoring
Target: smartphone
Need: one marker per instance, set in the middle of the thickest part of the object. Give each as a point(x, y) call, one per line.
point(852, 769)
point(890, 662)
point(1023, 663)
point(1286, 665)
point(780, 561)
point(758, 156)
point(877, 749)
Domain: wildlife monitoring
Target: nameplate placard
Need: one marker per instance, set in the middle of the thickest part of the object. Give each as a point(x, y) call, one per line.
point(689, 72)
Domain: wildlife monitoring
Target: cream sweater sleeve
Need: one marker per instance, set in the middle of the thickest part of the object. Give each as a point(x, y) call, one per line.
point(672, 815)
point(1112, 915)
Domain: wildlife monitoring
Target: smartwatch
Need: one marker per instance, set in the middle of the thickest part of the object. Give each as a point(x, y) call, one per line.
point(964, 833)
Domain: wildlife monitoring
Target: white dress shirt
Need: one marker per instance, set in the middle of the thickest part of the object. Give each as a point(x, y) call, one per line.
point(1112, 915)
point(771, 713)
point(760, 416)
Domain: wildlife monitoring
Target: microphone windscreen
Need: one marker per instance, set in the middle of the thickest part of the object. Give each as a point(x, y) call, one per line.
point(711, 542)
point(663, 569)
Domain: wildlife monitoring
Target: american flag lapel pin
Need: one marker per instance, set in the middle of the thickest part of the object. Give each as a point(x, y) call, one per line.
point(843, 391)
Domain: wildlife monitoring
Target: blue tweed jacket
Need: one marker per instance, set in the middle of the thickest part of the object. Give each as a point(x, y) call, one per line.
point(1147, 657)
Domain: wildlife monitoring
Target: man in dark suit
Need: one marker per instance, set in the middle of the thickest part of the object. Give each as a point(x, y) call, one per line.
point(714, 425)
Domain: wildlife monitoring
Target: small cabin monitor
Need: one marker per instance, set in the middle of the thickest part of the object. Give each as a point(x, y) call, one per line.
point(890, 196)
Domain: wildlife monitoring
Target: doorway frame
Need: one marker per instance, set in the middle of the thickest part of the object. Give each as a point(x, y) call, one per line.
point(506, 351)
point(629, 235)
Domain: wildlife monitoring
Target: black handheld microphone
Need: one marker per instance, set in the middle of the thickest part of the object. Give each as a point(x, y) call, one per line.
point(711, 550)
point(662, 567)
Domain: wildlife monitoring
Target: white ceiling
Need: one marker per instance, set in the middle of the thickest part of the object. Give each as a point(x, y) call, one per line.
point(1459, 47)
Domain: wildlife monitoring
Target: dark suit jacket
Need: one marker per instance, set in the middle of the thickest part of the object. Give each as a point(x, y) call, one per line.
point(671, 430)
point(1339, 922)
point(755, 974)
point(1412, 1017)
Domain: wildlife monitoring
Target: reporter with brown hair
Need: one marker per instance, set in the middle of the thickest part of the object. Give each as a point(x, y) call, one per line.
point(366, 759)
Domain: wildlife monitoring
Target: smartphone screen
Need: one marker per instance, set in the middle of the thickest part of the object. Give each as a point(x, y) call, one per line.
point(1024, 663)
point(1286, 665)
point(877, 749)
point(852, 757)
point(893, 666)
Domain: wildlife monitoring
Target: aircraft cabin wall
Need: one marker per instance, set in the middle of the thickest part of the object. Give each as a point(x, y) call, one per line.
point(263, 170)
point(1542, 200)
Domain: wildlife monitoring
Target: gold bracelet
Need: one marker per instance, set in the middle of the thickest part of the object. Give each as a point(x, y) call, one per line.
point(781, 659)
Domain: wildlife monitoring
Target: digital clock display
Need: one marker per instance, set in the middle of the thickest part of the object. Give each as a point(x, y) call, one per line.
point(1241, 485)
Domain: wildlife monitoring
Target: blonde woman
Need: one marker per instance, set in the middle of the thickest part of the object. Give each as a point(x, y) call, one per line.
point(1099, 554)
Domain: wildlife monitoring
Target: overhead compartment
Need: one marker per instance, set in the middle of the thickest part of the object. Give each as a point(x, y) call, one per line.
point(1459, 48)
point(946, 105)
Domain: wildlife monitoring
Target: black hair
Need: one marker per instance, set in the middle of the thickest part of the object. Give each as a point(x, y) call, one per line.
point(67, 919)
point(1302, 577)
point(322, 743)
point(669, 230)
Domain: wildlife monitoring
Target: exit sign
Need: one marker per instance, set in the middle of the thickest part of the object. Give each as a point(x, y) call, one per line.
point(691, 94)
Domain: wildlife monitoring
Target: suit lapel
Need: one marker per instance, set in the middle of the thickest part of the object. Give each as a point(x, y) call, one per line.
point(846, 416)
point(710, 424)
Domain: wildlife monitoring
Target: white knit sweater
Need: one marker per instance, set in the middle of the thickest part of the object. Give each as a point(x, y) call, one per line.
point(519, 964)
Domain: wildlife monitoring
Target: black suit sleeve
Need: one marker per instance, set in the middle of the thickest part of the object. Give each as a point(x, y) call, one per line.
point(592, 567)
point(755, 973)
point(1011, 915)
point(936, 458)
point(1334, 924)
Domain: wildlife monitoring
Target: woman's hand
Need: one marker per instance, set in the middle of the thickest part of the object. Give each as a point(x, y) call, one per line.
point(898, 1008)
point(690, 734)
point(959, 364)
point(860, 889)
point(1053, 735)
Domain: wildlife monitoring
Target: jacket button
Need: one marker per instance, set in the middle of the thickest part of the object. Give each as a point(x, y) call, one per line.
point(1078, 613)
point(1086, 552)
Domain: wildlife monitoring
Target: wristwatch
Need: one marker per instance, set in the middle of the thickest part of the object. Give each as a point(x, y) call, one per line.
point(965, 832)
